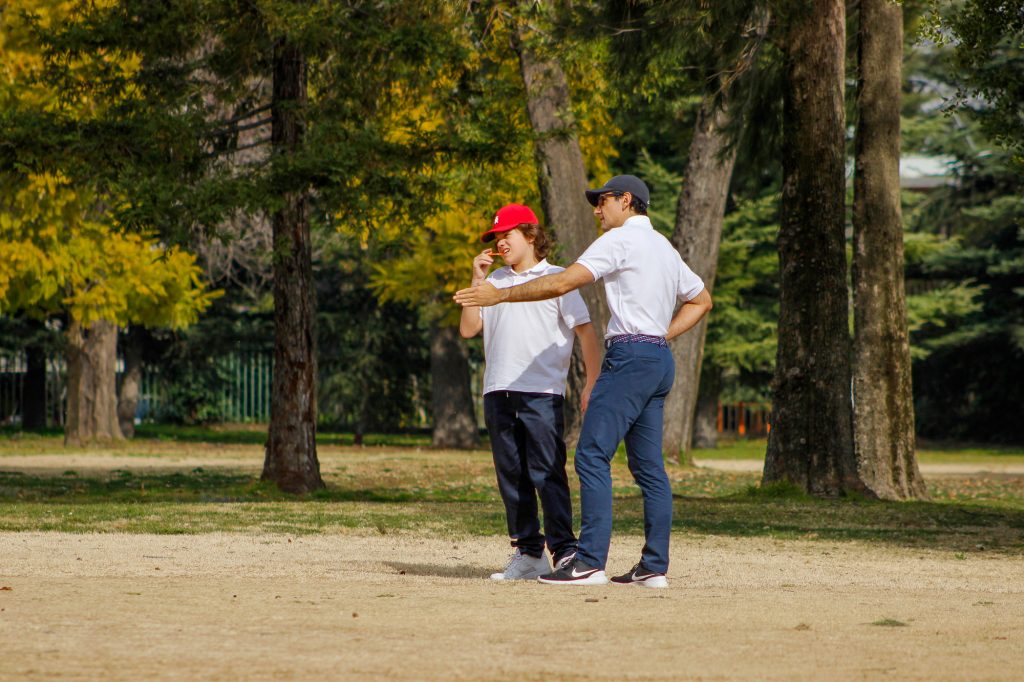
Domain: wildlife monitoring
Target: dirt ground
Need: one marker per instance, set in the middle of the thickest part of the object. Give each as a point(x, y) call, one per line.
point(355, 606)
point(398, 607)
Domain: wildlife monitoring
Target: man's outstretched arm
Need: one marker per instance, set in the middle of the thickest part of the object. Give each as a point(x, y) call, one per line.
point(542, 288)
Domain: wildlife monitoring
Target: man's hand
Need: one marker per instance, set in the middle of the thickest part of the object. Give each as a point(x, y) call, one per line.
point(484, 295)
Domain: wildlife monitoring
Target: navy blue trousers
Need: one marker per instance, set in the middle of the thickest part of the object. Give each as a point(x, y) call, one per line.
point(628, 403)
point(526, 431)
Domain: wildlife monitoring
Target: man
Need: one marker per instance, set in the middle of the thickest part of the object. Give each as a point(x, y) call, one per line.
point(643, 277)
point(527, 348)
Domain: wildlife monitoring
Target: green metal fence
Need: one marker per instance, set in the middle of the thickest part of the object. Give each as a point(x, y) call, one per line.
point(245, 396)
point(13, 367)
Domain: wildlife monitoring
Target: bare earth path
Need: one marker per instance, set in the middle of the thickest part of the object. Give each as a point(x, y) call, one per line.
point(399, 607)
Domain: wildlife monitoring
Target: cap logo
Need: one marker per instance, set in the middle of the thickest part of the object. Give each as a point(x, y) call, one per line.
point(495, 220)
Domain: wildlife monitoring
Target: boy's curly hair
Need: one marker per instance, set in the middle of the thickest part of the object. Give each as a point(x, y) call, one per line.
point(542, 243)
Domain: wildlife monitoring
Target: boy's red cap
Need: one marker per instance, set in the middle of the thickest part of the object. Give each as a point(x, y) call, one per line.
point(508, 218)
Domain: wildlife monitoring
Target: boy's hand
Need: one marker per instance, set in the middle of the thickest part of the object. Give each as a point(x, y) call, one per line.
point(481, 264)
point(585, 397)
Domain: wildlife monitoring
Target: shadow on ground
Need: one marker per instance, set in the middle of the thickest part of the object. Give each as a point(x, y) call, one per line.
point(439, 571)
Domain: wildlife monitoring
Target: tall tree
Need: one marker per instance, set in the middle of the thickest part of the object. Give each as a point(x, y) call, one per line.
point(92, 382)
point(697, 236)
point(451, 402)
point(811, 441)
point(883, 400)
point(61, 247)
point(562, 177)
point(56, 255)
point(33, 397)
point(291, 459)
point(132, 346)
point(650, 50)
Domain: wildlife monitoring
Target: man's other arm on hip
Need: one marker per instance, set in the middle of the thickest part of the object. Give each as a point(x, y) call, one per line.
point(689, 314)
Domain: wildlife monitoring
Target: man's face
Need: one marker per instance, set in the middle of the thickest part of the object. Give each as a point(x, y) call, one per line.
point(612, 209)
point(513, 247)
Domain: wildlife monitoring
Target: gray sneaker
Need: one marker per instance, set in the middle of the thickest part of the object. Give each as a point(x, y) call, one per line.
point(523, 567)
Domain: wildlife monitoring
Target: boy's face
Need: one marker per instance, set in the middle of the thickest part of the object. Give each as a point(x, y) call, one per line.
point(514, 247)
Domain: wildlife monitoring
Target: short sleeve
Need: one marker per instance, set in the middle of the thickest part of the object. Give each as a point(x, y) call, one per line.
point(604, 256)
point(572, 309)
point(690, 285)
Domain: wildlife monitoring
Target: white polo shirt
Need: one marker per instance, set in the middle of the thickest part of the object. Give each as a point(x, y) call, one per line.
point(643, 275)
point(528, 346)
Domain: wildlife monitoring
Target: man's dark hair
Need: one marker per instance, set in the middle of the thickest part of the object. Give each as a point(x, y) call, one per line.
point(542, 243)
point(638, 206)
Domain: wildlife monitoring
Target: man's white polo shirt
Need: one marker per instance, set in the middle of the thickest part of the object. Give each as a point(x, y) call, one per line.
point(528, 345)
point(643, 275)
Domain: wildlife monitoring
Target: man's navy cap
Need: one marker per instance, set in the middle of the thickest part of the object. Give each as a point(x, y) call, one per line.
point(622, 183)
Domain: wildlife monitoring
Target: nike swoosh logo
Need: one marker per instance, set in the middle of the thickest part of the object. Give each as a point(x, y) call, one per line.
point(584, 573)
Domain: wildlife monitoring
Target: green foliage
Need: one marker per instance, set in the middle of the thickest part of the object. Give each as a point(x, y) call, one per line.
point(742, 327)
point(987, 40)
point(741, 336)
point(373, 357)
point(965, 262)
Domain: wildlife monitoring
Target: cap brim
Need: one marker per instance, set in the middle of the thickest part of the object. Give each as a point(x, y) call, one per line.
point(491, 235)
point(593, 194)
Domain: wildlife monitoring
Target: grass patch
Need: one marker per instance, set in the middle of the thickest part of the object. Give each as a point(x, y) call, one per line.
point(409, 489)
point(927, 453)
point(781, 490)
point(256, 434)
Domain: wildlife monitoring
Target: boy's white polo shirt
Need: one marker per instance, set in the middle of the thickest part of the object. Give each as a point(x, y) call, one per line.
point(528, 345)
point(643, 275)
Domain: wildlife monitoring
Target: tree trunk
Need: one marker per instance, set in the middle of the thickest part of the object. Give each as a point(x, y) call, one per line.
point(450, 398)
point(705, 418)
point(697, 236)
point(883, 415)
point(291, 460)
point(33, 395)
point(92, 384)
point(131, 380)
point(811, 441)
point(563, 181)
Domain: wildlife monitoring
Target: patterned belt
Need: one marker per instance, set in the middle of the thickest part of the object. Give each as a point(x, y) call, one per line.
point(635, 338)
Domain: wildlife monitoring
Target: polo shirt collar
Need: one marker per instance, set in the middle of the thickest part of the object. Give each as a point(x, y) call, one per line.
point(638, 221)
point(541, 265)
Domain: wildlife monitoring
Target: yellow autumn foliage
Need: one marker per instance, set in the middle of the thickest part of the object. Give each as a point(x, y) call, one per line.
point(58, 249)
point(57, 253)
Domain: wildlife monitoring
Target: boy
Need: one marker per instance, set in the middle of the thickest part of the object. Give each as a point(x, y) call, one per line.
point(527, 348)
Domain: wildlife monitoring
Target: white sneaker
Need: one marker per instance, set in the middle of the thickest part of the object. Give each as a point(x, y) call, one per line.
point(523, 567)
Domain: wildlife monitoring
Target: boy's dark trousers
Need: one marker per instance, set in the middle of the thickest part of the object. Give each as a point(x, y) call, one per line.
point(529, 457)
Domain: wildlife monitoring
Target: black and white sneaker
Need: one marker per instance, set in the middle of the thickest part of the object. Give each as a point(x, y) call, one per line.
point(641, 577)
point(575, 572)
